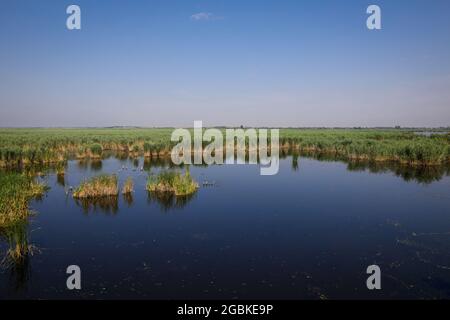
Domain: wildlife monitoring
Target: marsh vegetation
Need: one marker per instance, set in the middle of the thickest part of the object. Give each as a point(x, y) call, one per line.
point(42, 146)
point(99, 186)
point(172, 182)
point(128, 186)
point(16, 190)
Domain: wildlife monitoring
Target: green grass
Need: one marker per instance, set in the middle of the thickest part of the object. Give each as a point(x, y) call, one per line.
point(172, 182)
point(42, 146)
point(16, 235)
point(16, 190)
point(99, 186)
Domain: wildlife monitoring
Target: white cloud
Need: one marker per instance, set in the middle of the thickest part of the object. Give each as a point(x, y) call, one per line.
point(205, 16)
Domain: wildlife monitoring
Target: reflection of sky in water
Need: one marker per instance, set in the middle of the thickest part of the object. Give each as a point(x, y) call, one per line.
point(308, 232)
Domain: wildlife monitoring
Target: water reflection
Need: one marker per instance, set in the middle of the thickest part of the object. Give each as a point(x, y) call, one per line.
point(167, 200)
point(107, 205)
point(17, 257)
point(128, 199)
point(161, 162)
point(61, 179)
point(420, 174)
point(295, 161)
point(428, 247)
point(92, 164)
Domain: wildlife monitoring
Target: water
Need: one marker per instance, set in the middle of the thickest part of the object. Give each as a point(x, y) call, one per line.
point(309, 232)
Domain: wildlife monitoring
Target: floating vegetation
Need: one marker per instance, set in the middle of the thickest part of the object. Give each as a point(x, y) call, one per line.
point(99, 186)
point(16, 190)
point(172, 182)
point(128, 186)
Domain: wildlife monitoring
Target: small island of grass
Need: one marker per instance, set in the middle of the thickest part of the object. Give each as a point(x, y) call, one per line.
point(99, 186)
point(172, 182)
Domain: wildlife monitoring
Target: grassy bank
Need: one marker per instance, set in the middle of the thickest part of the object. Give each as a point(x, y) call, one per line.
point(42, 146)
point(172, 182)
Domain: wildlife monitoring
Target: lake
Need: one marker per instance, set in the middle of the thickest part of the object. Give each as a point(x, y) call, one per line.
point(308, 232)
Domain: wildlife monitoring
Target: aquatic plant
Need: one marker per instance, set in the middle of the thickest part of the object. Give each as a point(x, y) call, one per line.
point(99, 186)
point(38, 146)
point(19, 248)
point(128, 186)
point(60, 169)
point(16, 190)
point(172, 182)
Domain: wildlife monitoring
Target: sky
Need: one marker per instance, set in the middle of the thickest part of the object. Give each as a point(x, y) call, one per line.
point(275, 63)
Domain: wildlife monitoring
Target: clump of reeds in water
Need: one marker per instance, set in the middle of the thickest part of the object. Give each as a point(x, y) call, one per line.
point(172, 182)
point(128, 186)
point(16, 190)
point(19, 248)
point(99, 186)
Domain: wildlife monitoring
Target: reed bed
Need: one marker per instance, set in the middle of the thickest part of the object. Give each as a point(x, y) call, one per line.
point(19, 249)
point(172, 182)
point(95, 187)
point(43, 146)
point(16, 190)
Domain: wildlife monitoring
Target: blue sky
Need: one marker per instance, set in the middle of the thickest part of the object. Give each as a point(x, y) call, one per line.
point(257, 63)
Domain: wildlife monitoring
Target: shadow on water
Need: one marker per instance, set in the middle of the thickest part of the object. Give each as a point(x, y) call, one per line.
point(17, 257)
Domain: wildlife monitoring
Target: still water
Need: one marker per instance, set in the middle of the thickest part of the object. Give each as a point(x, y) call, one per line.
point(309, 232)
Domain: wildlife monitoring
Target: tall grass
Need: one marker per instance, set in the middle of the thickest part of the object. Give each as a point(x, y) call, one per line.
point(16, 235)
point(128, 186)
point(16, 190)
point(99, 186)
point(40, 146)
point(172, 182)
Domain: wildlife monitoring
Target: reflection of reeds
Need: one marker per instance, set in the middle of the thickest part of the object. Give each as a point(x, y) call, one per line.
point(17, 237)
point(295, 161)
point(99, 186)
point(128, 198)
point(167, 200)
point(104, 204)
point(17, 258)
